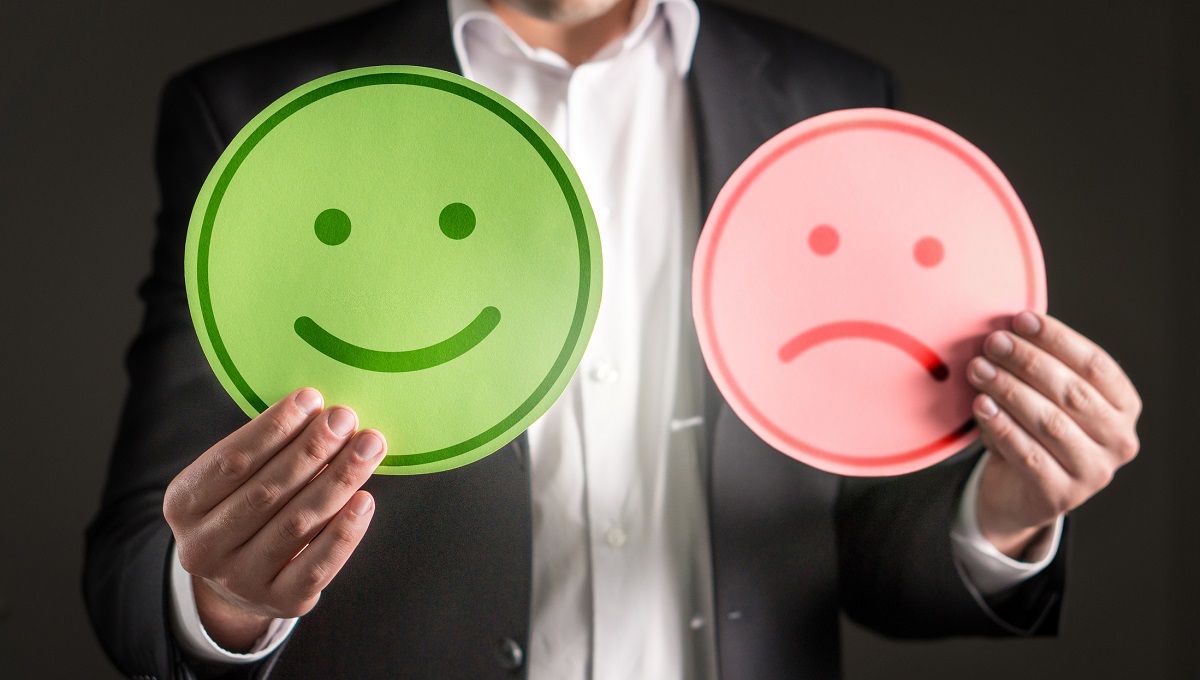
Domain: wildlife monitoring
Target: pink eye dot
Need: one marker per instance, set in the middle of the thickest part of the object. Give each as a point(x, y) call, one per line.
point(928, 252)
point(823, 239)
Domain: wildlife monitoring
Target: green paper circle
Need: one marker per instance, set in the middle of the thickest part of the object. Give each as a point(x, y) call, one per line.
point(449, 345)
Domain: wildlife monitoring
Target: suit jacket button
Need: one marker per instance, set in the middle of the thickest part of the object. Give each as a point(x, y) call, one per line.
point(509, 654)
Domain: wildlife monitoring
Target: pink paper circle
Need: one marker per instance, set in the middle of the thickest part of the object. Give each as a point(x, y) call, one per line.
point(847, 273)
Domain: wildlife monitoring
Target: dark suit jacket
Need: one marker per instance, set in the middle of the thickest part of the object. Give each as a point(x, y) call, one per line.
point(440, 586)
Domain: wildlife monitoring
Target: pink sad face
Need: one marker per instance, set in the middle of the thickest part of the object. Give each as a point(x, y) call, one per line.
point(849, 271)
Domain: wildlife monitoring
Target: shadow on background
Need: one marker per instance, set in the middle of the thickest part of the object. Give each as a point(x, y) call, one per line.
point(1093, 111)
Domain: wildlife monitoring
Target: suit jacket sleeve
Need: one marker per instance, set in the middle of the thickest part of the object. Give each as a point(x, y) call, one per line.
point(897, 573)
point(175, 409)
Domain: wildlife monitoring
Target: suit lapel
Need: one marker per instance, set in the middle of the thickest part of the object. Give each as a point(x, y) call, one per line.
point(416, 33)
point(734, 109)
point(732, 115)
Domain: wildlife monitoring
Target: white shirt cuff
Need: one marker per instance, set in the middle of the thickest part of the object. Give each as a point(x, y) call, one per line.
point(190, 633)
point(990, 570)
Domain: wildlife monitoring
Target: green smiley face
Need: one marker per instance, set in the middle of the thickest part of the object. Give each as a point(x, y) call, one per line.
point(408, 242)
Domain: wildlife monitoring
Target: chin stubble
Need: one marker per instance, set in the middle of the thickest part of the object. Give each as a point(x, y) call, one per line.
point(562, 11)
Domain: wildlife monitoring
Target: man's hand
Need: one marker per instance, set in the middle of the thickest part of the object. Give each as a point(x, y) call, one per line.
point(243, 512)
point(1059, 416)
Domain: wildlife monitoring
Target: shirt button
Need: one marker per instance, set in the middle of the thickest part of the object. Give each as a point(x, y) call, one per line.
point(605, 373)
point(697, 622)
point(509, 654)
point(615, 537)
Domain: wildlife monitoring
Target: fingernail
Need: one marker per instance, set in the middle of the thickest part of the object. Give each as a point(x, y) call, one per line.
point(361, 504)
point(1027, 323)
point(999, 344)
point(987, 407)
point(367, 446)
point(309, 400)
point(983, 369)
point(341, 421)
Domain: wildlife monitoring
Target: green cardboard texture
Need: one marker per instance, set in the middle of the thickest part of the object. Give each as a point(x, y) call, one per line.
point(408, 242)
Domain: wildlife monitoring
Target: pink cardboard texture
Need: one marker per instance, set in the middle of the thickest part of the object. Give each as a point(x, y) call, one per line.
point(849, 270)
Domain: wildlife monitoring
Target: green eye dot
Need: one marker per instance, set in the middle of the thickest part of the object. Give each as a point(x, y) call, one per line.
point(332, 227)
point(457, 221)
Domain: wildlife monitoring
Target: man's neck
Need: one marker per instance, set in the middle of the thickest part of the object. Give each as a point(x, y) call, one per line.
point(575, 42)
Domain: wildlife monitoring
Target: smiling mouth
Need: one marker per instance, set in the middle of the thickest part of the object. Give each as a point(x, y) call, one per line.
point(867, 330)
point(398, 362)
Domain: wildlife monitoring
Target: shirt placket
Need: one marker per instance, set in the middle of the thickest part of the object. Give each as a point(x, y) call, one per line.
point(609, 389)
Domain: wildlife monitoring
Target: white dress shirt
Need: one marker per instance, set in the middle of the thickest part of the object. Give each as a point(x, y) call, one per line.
point(620, 533)
point(622, 587)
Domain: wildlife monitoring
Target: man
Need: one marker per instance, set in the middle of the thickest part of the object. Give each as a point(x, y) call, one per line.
point(639, 529)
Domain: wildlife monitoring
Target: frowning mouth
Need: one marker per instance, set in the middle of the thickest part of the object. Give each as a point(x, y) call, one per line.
point(868, 330)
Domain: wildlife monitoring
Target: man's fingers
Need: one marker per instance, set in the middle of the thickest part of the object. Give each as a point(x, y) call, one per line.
point(308, 512)
point(219, 471)
point(1005, 437)
point(1082, 356)
point(240, 516)
point(1037, 417)
point(303, 579)
point(1059, 412)
point(1066, 389)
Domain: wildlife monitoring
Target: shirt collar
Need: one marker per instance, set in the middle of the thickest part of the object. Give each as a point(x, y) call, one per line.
point(682, 17)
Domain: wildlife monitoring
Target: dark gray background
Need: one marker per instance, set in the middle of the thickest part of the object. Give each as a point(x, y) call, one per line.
point(1092, 109)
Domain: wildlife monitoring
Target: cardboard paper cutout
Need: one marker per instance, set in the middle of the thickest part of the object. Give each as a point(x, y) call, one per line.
point(847, 273)
point(406, 241)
